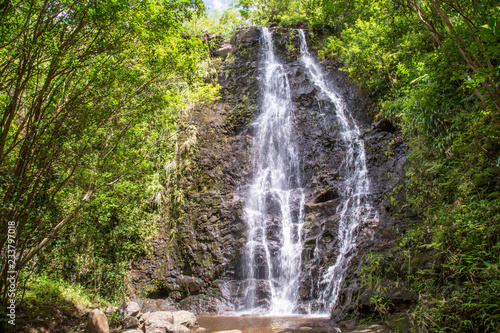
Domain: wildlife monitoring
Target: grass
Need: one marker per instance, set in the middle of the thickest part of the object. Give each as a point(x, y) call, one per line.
point(52, 304)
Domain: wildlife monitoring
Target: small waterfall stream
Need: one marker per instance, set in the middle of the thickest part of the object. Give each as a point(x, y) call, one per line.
point(355, 208)
point(274, 211)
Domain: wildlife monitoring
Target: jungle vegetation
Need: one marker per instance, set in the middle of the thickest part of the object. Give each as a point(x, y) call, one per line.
point(93, 95)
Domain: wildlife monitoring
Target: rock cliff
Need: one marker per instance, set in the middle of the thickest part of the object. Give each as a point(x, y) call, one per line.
point(198, 266)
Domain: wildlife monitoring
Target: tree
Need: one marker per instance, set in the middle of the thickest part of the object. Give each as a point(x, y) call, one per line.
point(477, 44)
point(79, 84)
point(266, 13)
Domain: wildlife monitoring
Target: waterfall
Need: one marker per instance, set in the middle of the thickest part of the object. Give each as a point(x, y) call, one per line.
point(355, 208)
point(273, 210)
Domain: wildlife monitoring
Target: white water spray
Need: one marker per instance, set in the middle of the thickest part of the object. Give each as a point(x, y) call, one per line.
point(274, 211)
point(355, 208)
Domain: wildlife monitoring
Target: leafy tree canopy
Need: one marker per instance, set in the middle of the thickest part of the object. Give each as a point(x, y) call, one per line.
point(91, 96)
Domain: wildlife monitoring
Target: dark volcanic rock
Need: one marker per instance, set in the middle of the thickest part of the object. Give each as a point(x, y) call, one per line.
point(244, 36)
point(205, 241)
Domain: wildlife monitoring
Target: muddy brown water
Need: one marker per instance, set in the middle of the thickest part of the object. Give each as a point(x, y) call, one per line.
point(258, 324)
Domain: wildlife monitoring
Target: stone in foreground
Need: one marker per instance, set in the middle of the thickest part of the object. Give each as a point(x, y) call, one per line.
point(97, 322)
point(129, 309)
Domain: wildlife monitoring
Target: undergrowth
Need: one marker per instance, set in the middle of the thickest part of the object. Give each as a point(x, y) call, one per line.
point(451, 261)
point(49, 303)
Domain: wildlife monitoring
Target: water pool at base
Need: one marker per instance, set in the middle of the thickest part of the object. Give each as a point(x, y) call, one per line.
point(258, 324)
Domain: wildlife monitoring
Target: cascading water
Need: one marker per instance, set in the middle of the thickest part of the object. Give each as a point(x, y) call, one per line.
point(274, 208)
point(355, 208)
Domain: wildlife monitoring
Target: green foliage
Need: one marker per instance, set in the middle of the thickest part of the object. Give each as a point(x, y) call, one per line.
point(371, 270)
point(452, 261)
point(47, 300)
point(91, 102)
point(287, 13)
point(465, 240)
point(381, 304)
point(116, 226)
point(93, 148)
point(44, 291)
point(432, 68)
point(114, 319)
point(220, 22)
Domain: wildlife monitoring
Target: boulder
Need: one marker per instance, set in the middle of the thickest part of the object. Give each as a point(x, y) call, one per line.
point(224, 50)
point(179, 329)
point(155, 325)
point(185, 318)
point(130, 322)
point(158, 316)
point(162, 326)
point(244, 36)
point(97, 322)
point(155, 330)
point(169, 321)
point(152, 305)
point(129, 309)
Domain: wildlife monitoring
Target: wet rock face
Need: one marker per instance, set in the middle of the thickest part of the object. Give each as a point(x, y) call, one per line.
point(201, 243)
point(199, 264)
